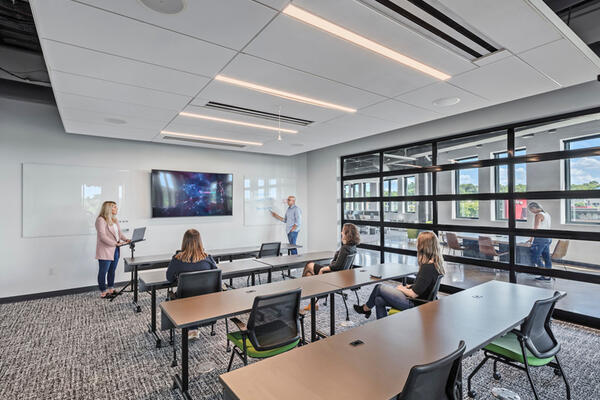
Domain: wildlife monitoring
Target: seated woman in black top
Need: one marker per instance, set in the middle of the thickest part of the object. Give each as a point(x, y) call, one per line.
point(350, 238)
point(191, 257)
point(431, 265)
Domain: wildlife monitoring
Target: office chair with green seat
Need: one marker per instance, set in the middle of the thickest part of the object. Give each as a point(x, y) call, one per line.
point(273, 327)
point(417, 302)
point(533, 345)
point(437, 380)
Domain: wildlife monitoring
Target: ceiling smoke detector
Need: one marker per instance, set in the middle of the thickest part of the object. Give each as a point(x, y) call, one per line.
point(446, 101)
point(165, 6)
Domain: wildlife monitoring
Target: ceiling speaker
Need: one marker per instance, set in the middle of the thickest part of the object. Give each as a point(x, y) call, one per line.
point(165, 6)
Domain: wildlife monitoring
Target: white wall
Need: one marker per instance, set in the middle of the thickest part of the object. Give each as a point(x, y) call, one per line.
point(33, 132)
point(324, 164)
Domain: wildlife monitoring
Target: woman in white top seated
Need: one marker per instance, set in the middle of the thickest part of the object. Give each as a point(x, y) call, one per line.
point(540, 247)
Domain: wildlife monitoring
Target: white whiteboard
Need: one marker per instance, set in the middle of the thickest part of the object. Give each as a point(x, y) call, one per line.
point(263, 194)
point(60, 200)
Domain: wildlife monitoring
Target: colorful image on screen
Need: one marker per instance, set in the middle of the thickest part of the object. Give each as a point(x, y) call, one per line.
point(191, 194)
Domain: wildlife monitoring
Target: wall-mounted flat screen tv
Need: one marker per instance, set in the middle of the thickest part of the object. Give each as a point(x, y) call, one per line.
point(191, 194)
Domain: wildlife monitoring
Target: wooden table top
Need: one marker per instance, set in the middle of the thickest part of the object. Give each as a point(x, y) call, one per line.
point(158, 277)
point(361, 276)
point(191, 311)
point(286, 260)
point(378, 368)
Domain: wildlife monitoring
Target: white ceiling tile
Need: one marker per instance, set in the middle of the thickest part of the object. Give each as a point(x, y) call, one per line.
point(204, 19)
point(425, 97)
point(401, 113)
point(76, 60)
point(570, 68)
point(293, 43)
point(184, 125)
point(513, 24)
point(103, 118)
point(107, 130)
point(343, 129)
point(277, 76)
point(371, 24)
point(116, 108)
point(507, 79)
point(89, 27)
point(84, 86)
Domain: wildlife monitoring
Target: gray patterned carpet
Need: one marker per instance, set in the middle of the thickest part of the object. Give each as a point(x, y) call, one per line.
point(82, 347)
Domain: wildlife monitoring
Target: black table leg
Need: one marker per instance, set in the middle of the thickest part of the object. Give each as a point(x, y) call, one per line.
point(183, 381)
point(136, 306)
point(253, 280)
point(153, 319)
point(269, 277)
point(332, 314)
point(313, 319)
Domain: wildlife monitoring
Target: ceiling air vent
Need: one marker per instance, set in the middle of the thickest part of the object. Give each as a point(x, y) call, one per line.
point(257, 113)
point(436, 23)
point(202, 141)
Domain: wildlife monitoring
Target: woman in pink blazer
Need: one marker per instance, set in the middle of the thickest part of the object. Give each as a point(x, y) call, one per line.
point(109, 235)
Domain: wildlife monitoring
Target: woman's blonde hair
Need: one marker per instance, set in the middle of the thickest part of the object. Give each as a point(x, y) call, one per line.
point(192, 249)
point(106, 212)
point(351, 234)
point(428, 248)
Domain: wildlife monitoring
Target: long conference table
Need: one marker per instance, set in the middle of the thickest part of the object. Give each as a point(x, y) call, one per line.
point(156, 279)
point(189, 312)
point(378, 368)
point(135, 264)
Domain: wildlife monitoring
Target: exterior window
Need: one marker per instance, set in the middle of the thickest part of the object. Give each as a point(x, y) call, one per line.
point(410, 189)
point(501, 186)
point(582, 174)
point(467, 181)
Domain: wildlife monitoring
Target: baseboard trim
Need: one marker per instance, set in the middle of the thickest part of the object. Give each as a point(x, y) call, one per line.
point(54, 293)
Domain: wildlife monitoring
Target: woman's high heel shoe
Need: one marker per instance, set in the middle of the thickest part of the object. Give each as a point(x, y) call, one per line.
point(359, 309)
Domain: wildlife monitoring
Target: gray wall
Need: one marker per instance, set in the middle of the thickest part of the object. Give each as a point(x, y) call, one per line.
point(32, 132)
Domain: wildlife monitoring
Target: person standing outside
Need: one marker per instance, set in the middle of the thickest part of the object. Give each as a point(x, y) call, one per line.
point(292, 219)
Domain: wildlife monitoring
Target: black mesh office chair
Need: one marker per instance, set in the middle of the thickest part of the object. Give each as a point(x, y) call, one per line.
point(435, 381)
point(271, 249)
point(191, 284)
point(533, 345)
point(431, 297)
point(347, 265)
point(273, 327)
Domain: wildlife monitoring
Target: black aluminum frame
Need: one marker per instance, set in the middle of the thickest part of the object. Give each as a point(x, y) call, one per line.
point(511, 230)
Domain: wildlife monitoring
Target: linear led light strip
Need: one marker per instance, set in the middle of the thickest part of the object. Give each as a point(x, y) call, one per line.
point(361, 41)
point(213, 139)
point(235, 122)
point(281, 93)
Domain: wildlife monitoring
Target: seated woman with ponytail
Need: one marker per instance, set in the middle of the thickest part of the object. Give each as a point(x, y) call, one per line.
point(192, 257)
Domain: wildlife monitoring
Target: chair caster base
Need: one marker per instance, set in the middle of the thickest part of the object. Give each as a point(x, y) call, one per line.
point(497, 376)
point(472, 394)
point(213, 333)
point(174, 364)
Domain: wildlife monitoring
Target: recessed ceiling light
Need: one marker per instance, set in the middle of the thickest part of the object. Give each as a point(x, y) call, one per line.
point(446, 101)
point(282, 94)
point(165, 6)
point(361, 41)
point(235, 122)
point(117, 121)
point(214, 139)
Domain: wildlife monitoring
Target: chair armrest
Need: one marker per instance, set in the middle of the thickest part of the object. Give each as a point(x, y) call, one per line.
point(519, 333)
point(240, 325)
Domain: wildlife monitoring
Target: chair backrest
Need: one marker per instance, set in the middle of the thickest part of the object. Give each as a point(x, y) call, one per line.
point(275, 320)
point(269, 249)
point(452, 240)
point(435, 381)
point(560, 250)
point(434, 292)
point(349, 261)
point(486, 246)
point(540, 340)
point(198, 283)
